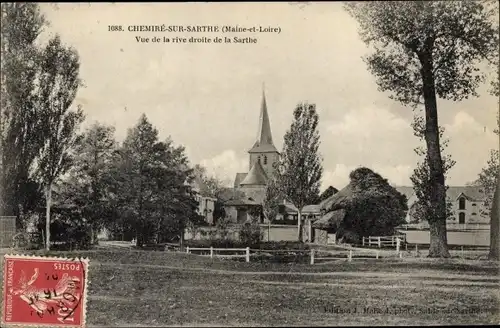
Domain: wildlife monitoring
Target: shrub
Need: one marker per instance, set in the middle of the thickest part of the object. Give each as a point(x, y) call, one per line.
point(250, 234)
point(284, 245)
point(68, 235)
point(222, 229)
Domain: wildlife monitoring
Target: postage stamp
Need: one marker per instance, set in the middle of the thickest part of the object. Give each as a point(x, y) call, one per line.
point(44, 291)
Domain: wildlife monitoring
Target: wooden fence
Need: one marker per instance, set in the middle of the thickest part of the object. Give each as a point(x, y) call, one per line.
point(314, 255)
point(215, 252)
point(384, 241)
point(348, 255)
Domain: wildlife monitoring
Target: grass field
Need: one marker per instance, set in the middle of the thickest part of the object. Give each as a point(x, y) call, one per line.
point(134, 288)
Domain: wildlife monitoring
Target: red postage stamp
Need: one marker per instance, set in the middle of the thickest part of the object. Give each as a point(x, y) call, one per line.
point(44, 291)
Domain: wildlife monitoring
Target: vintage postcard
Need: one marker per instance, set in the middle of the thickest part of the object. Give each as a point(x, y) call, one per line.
point(249, 164)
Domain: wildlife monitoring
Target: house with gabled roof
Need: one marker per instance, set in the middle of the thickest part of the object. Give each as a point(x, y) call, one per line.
point(206, 202)
point(467, 204)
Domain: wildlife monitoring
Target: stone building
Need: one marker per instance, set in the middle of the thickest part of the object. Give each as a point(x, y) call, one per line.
point(251, 186)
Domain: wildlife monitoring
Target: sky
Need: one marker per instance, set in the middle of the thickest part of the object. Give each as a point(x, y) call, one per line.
point(207, 97)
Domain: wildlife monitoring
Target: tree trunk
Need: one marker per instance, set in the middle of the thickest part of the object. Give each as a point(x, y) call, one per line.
point(437, 221)
point(181, 241)
point(495, 225)
point(299, 224)
point(268, 230)
point(48, 200)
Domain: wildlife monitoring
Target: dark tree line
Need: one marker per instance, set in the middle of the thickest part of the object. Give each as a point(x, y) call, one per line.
point(76, 182)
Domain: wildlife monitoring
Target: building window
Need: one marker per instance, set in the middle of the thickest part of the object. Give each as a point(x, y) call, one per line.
point(258, 159)
point(461, 204)
point(474, 213)
point(473, 204)
point(461, 218)
point(265, 160)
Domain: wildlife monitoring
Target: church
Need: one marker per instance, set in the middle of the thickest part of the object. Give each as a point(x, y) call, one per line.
point(261, 159)
point(244, 200)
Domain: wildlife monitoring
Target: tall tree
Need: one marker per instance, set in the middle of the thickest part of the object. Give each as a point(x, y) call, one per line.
point(487, 176)
point(424, 50)
point(420, 178)
point(178, 204)
point(299, 167)
point(151, 185)
point(87, 184)
point(58, 85)
point(21, 136)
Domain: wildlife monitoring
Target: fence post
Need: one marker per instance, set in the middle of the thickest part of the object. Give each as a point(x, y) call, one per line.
point(211, 251)
point(312, 256)
point(398, 244)
point(363, 241)
point(416, 248)
point(379, 242)
point(350, 256)
point(392, 240)
point(187, 249)
point(377, 254)
point(462, 251)
point(248, 254)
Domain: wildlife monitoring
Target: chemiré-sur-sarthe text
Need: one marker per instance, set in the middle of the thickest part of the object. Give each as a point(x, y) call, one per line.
point(195, 28)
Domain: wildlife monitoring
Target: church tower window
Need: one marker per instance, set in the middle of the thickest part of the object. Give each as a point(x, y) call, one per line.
point(265, 160)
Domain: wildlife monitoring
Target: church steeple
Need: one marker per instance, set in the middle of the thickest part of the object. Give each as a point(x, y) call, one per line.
point(264, 142)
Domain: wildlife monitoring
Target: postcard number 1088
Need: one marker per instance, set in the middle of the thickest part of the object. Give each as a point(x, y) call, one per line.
point(115, 28)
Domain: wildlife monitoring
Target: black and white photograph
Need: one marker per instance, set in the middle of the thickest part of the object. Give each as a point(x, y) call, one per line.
point(250, 164)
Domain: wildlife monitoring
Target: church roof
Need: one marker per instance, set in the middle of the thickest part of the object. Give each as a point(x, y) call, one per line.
point(239, 177)
point(264, 142)
point(256, 176)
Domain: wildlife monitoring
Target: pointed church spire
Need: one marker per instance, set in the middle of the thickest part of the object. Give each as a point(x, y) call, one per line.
point(264, 137)
point(264, 140)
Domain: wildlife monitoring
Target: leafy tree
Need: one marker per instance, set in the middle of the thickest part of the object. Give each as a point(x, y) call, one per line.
point(424, 50)
point(87, 184)
point(150, 186)
point(372, 206)
point(222, 229)
point(488, 177)
point(250, 234)
point(299, 167)
point(272, 200)
point(421, 175)
point(59, 82)
point(495, 207)
point(21, 129)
